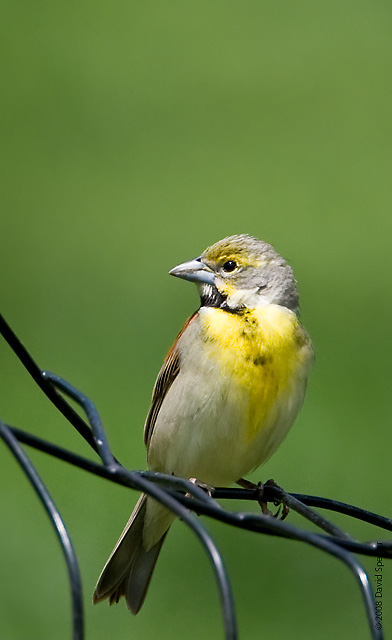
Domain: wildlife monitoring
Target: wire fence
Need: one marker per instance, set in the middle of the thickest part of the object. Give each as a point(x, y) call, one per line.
point(187, 500)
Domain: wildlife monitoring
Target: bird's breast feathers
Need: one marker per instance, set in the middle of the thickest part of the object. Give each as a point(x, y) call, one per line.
point(241, 383)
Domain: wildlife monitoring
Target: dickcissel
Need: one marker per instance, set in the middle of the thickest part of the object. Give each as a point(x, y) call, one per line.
point(226, 395)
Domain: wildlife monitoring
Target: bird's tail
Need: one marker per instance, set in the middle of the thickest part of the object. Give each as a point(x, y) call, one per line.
point(129, 568)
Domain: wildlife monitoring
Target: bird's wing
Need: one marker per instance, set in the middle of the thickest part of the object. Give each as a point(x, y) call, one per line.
point(166, 377)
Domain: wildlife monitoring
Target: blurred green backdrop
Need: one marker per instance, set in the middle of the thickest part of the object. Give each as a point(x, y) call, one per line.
point(134, 135)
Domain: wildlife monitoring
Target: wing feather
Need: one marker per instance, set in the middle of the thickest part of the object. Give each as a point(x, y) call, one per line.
point(166, 376)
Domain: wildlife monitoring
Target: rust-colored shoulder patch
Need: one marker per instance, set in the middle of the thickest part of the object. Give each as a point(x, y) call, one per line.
point(166, 377)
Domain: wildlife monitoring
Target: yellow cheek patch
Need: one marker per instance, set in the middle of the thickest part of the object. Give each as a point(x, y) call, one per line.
point(225, 287)
point(260, 348)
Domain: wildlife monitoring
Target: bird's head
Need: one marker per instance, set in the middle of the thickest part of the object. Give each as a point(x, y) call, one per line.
point(241, 272)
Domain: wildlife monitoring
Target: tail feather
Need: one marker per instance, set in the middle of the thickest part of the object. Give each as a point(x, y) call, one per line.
point(138, 580)
point(129, 568)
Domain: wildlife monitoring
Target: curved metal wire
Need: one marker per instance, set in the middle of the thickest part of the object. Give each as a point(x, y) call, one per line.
point(58, 524)
point(102, 445)
point(183, 497)
point(48, 389)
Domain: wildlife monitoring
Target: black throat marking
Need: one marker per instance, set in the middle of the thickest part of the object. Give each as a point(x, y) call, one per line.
point(211, 297)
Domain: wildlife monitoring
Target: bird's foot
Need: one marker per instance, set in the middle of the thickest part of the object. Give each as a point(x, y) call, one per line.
point(261, 489)
point(202, 485)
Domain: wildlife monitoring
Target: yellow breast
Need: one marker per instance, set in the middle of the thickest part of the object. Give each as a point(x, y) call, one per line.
point(263, 350)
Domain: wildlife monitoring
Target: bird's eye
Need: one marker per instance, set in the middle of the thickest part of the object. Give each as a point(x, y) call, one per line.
point(229, 266)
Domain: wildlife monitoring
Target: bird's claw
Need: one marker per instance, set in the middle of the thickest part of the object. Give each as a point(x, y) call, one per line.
point(283, 510)
point(202, 485)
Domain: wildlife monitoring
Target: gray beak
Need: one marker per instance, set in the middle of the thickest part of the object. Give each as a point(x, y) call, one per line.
point(194, 271)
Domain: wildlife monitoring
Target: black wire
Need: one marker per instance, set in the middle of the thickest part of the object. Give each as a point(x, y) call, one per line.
point(54, 515)
point(221, 576)
point(339, 544)
point(347, 509)
point(100, 440)
point(136, 480)
point(31, 366)
point(337, 547)
point(219, 493)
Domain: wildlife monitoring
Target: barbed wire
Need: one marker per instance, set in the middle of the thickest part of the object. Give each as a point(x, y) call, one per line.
point(186, 499)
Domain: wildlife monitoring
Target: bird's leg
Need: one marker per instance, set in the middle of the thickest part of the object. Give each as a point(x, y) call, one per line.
point(285, 508)
point(206, 487)
point(260, 489)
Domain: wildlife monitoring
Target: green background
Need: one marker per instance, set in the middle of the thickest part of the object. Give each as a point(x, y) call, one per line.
point(133, 135)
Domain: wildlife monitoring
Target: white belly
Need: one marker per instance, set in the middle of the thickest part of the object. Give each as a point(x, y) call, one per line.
point(201, 433)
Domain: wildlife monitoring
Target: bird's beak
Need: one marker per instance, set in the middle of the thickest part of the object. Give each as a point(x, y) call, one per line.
point(194, 271)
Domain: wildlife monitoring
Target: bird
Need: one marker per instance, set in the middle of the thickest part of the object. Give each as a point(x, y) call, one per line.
point(225, 397)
